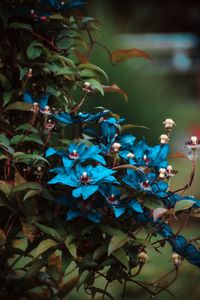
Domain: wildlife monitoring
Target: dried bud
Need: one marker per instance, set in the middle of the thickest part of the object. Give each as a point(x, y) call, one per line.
point(46, 110)
point(169, 123)
point(177, 259)
point(164, 139)
point(142, 257)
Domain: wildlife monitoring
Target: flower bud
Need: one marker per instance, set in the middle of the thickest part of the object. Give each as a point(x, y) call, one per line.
point(176, 259)
point(169, 123)
point(87, 87)
point(162, 173)
point(130, 155)
point(115, 147)
point(194, 143)
point(164, 139)
point(143, 257)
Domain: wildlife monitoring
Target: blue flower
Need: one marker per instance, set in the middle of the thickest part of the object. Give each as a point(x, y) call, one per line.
point(147, 183)
point(109, 129)
point(85, 179)
point(117, 201)
point(81, 117)
point(77, 154)
point(42, 101)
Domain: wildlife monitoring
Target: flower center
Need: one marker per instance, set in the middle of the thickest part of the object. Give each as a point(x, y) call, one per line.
point(85, 179)
point(111, 198)
point(73, 154)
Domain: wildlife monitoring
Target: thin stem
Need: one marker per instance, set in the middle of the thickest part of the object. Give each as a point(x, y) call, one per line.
point(124, 289)
point(105, 289)
point(50, 43)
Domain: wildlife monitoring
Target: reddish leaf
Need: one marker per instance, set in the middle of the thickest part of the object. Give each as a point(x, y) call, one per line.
point(124, 54)
point(178, 155)
point(81, 57)
point(158, 212)
point(115, 89)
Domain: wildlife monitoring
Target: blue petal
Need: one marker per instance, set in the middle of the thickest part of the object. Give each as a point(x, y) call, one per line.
point(68, 164)
point(135, 205)
point(118, 211)
point(50, 152)
point(44, 101)
point(101, 172)
point(72, 214)
point(88, 190)
point(64, 179)
point(77, 192)
point(28, 98)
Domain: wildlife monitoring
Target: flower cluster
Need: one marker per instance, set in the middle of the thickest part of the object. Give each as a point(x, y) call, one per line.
point(114, 176)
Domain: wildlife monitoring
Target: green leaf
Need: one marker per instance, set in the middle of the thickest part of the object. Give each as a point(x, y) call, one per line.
point(7, 97)
point(26, 127)
point(121, 256)
point(182, 205)
point(72, 249)
point(65, 260)
point(83, 278)
point(94, 68)
point(110, 230)
point(22, 72)
point(117, 242)
point(17, 25)
point(27, 185)
point(4, 81)
point(31, 194)
point(5, 187)
point(64, 42)
point(97, 85)
point(34, 268)
point(34, 50)
point(99, 252)
point(19, 106)
point(44, 246)
point(30, 138)
point(49, 231)
point(26, 158)
point(4, 140)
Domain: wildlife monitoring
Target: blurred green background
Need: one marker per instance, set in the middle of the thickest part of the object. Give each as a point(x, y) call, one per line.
point(167, 88)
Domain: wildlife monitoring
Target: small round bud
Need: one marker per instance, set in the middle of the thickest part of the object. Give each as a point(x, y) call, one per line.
point(164, 139)
point(115, 147)
point(87, 87)
point(39, 169)
point(176, 259)
point(143, 257)
point(194, 143)
point(169, 123)
point(130, 155)
point(162, 173)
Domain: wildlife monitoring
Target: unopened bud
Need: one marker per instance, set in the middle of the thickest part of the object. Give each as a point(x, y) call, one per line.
point(29, 73)
point(169, 123)
point(162, 173)
point(177, 259)
point(164, 139)
point(143, 257)
point(116, 147)
point(130, 155)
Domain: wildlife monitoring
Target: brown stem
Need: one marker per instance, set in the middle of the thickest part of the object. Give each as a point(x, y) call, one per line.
point(50, 43)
